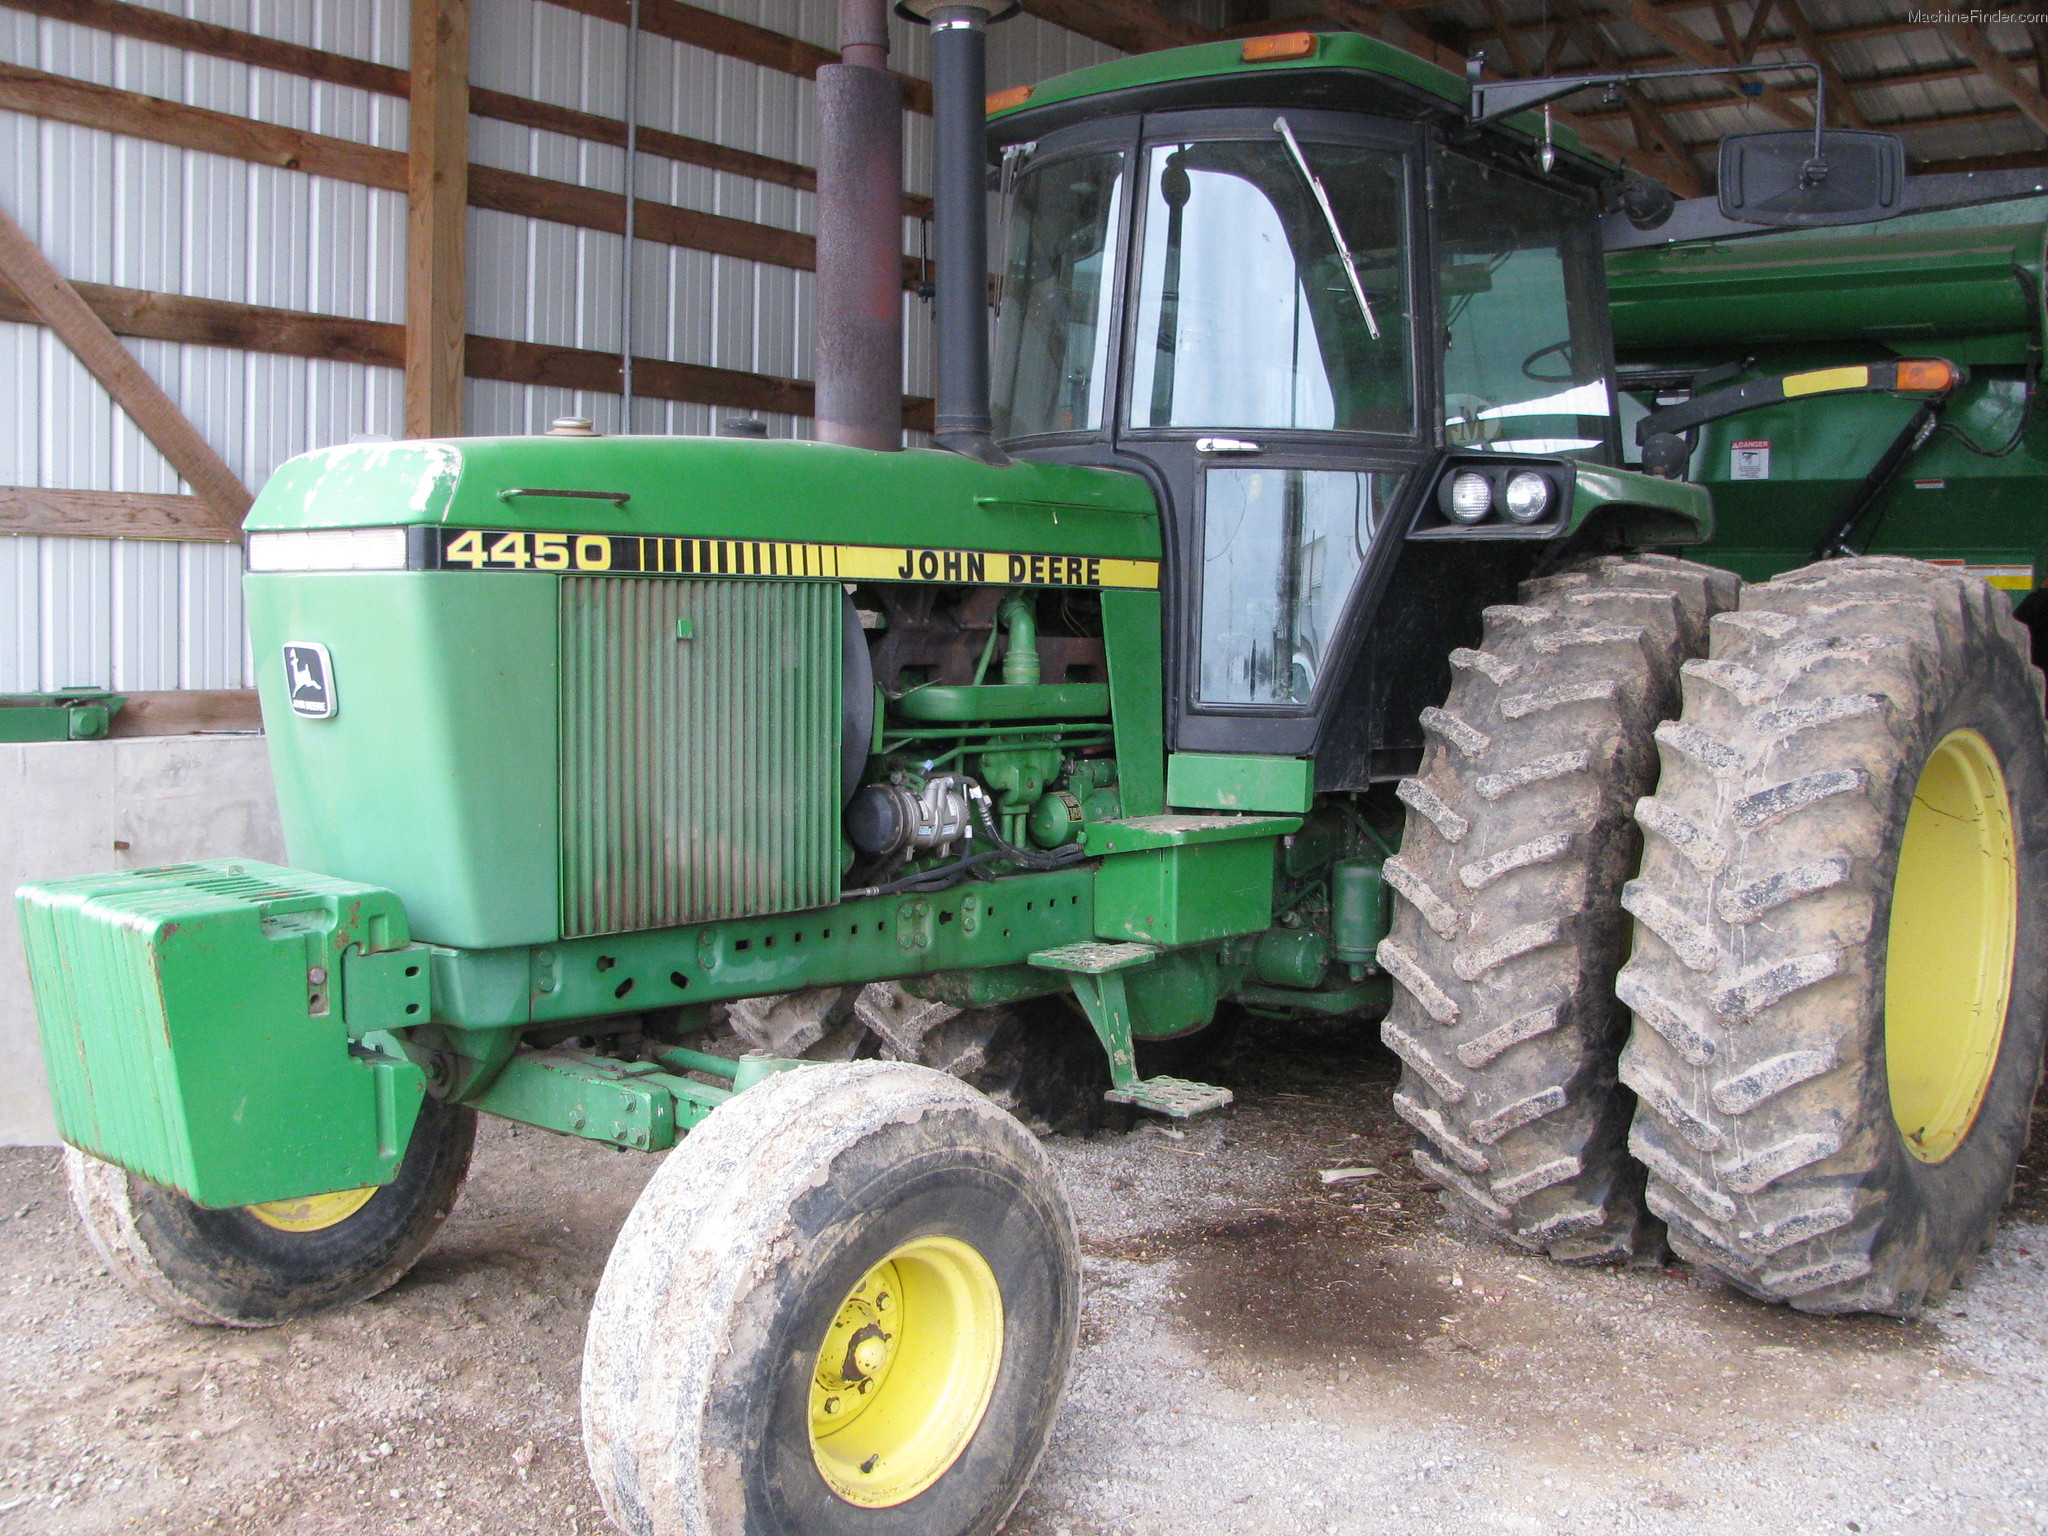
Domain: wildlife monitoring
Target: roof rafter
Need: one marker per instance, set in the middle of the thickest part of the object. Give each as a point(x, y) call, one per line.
point(1689, 45)
point(1969, 40)
point(1652, 131)
point(1839, 93)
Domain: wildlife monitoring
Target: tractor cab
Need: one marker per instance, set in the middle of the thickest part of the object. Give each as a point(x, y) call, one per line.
point(1326, 319)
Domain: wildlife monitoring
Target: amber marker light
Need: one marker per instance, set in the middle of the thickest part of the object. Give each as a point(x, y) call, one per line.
point(1281, 45)
point(1002, 101)
point(1926, 376)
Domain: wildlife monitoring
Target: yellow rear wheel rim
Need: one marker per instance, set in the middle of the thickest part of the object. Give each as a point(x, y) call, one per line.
point(1948, 973)
point(905, 1372)
point(312, 1213)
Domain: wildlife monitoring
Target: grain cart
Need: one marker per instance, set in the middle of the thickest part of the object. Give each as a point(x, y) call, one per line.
point(710, 794)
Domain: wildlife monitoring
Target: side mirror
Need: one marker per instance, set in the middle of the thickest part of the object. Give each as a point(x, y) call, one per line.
point(1778, 179)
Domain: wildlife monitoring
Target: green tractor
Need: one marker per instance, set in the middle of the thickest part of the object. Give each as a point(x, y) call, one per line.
point(1282, 634)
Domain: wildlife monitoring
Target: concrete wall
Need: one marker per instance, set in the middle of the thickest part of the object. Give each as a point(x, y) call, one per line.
point(65, 809)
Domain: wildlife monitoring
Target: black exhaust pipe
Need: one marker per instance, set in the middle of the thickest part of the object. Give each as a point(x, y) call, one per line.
point(960, 217)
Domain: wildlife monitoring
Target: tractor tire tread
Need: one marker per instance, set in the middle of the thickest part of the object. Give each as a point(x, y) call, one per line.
point(1507, 932)
point(1759, 1127)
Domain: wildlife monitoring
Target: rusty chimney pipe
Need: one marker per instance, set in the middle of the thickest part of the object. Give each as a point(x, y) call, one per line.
point(857, 354)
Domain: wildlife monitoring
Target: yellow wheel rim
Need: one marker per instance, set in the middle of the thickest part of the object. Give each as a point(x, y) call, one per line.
point(905, 1372)
point(312, 1213)
point(1948, 972)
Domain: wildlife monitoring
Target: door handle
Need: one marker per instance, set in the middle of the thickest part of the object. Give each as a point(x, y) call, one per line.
point(1226, 445)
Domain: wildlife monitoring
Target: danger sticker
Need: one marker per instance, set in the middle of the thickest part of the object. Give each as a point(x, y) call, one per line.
point(1750, 459)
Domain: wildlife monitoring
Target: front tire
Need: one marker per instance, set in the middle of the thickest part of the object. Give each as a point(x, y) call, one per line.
point(259, 1266)
point(847, 1303)
point(1841, 965)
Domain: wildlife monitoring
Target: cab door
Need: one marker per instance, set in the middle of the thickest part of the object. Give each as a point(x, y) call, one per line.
point(1271, 386)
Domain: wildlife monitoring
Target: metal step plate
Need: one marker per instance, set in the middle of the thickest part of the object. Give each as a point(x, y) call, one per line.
point(1172, 1096)
point(1094, 957)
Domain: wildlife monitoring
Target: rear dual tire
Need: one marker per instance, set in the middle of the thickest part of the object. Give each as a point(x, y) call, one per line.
point(1840, 972)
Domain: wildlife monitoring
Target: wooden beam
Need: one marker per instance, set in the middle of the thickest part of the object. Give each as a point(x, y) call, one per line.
point(380, 344)
point(1759, 18)
point(1840, 97)
point(1508, 42)
point(169, 122)
point(1126, 27)
point(1656, 135)
point(220, 323)
point(1968, 40)
point(1355, 16)
point(108, 515)
point(154, 26)
point(58, 305)
point(1711, 96)
point(186, 711)
point(437, 218)
point(1829, 36)
point(64, 100)
point(655, 141)
point(1905, 125)
point(736, 40)
point(122, 20)
point(1689, 45)
point(1731, 41)
point(535, 197)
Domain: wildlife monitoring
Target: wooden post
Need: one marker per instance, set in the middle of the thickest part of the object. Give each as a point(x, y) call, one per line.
point(437, 195)
point(57, 304)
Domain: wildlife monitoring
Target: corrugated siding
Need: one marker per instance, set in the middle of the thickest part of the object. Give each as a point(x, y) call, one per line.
point(110, 209)
point(700, 773)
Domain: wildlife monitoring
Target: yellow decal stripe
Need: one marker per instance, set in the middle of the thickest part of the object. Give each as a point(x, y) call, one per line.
point(2014, 577)
point(1823, 380)
point(673, 555)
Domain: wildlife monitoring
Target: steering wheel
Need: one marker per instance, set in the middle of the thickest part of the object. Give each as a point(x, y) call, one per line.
point(1563, 349)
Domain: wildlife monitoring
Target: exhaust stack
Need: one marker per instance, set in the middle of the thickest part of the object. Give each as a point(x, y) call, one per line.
point(960, 217)
point(858, 353)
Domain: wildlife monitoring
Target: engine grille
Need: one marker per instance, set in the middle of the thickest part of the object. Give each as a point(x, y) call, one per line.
point(700, 775)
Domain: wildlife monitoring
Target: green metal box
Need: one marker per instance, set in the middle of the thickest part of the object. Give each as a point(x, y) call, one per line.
point(1180, 880)
point(1231, 781)
point(197, 1026)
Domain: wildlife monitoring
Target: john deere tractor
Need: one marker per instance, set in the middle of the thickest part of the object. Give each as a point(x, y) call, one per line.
point(1275, 629)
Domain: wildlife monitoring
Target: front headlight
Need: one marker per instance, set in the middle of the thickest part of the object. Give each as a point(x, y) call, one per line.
point(328, 549)
point(1527, 496)
point(1466, 497)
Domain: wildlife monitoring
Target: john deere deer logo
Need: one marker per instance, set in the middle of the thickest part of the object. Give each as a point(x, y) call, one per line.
point(309, 679)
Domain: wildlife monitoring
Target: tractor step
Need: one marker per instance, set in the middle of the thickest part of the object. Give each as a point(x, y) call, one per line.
point(1095, 957)
point(1172, 1096)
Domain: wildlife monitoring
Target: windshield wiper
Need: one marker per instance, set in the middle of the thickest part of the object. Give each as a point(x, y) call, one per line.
point(1330, 219)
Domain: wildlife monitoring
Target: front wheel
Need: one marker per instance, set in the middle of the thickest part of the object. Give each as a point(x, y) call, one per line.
point(847, 1303)
point(255, 1266)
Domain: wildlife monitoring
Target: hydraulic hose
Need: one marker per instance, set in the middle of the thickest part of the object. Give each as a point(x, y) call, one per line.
point(1026, 858)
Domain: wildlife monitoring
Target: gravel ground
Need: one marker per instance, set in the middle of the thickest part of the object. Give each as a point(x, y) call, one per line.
point(1262, 1352)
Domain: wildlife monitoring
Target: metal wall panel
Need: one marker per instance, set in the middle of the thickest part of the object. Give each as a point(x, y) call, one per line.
point(137, 214)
